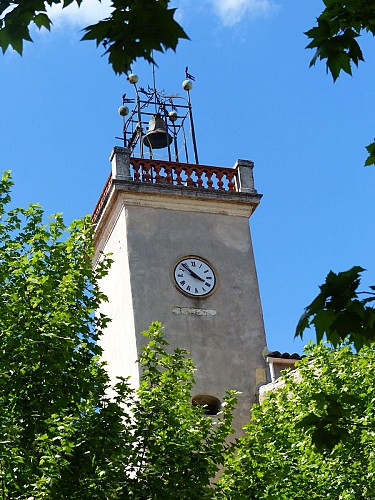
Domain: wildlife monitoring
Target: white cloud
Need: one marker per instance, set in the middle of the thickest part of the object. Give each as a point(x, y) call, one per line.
point(232, 12)
point(90, 11)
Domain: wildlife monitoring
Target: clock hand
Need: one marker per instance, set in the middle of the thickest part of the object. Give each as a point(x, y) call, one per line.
point(192, 272)
point(196, 276)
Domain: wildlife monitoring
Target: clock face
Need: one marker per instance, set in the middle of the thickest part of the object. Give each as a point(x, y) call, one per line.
point(194, 277)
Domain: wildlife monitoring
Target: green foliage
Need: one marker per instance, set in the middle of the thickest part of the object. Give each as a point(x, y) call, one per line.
point(283, 456)
point(176, 448)
point(52, 384)
point(327, 427)
point(338, 312)
point(134, 29)
point(344, 316)
point(334, 39)
point(62, 435)
point(371, 157)
point(16, 17)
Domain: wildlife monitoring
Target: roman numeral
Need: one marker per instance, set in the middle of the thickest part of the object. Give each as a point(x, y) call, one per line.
point(209, 278)
point(192, 263)
point(180, 275)
point(208, 284)
point(196, 290)
point(182, 282)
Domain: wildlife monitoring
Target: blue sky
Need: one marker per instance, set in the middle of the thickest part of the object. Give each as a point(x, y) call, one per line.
point(254, 98)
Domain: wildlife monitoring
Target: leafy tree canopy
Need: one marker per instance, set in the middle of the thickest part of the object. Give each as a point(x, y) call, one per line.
point(342, 315)
point(341, 312)
point(134, 29)
point(282, 457)
point(62, 436)
point(334, 39)
point(335, 36)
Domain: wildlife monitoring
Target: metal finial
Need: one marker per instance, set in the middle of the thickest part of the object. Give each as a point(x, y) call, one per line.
point(188, 75)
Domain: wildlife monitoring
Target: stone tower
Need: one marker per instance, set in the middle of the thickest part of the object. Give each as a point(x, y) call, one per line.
point(182, 254)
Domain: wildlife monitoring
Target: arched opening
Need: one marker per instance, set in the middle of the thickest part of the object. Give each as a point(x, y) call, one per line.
point(210, 403)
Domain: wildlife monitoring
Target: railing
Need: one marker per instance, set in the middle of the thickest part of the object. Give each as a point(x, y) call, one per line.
point(147, 171)
point(102, 199)
point(183, 174)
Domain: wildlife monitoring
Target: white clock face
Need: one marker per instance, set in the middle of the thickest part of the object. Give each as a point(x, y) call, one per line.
point(193, 276)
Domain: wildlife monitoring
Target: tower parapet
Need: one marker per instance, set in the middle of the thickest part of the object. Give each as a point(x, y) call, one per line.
point(184, 178)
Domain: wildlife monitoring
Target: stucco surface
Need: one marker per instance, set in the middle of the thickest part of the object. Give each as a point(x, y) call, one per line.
point(119, 342)
point(224, 332)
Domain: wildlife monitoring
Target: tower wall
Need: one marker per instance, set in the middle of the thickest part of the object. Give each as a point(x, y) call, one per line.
point(119, 342)
point(223, 332)
point(147, 229)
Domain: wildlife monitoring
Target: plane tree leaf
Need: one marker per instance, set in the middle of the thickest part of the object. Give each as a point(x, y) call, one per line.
point(371, 157)
point(134, 29)
point(334, 39)
point(340, 312)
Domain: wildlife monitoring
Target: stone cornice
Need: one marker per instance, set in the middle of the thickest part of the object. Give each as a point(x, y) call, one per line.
point(183, 199)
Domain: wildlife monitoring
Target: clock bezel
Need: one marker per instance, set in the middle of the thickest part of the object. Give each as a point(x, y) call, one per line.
point(205, 261)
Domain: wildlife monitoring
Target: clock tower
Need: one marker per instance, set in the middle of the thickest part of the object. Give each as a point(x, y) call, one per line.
point(178, 234)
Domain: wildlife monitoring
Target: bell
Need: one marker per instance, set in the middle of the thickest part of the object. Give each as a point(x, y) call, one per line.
point(157, 136)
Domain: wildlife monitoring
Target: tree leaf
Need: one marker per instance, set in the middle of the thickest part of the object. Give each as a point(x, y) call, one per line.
point(42, 20)
point(371, 157)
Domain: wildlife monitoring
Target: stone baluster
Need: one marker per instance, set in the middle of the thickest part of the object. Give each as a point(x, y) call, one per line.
point(209, 179)
point(219, 177)
point(157, 169)
point(137, 171)
point(231, 184)
point(189, 180)
point(147, 169)
point(178, 171)
point(169, 178)
point(199, 181)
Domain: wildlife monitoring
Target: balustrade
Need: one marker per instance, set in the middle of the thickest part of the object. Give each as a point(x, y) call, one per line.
point(182, 174)
point(158, 172)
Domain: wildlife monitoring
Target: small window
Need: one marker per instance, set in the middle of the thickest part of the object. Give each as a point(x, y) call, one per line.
point(211, 403)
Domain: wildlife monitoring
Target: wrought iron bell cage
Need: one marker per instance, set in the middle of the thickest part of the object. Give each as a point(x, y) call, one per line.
point(160, 125)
